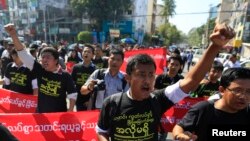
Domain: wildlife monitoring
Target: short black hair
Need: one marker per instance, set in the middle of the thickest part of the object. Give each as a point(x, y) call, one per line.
point(233, 74)
point(51, 50)
point(217, 66)
point(177, 51)
point(91, 47)
point(34, 46)
point(144, 59)
point(117, 51)
point(177, 58)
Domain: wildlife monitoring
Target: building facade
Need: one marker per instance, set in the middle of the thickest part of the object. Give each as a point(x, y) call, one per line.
point(144, 14)
point(53, 20)
point(47, 20)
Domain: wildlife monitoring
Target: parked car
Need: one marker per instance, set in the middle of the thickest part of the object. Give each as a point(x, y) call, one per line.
point(197, 55)
point(72, 46)
point(245, 64)
point(223, 57)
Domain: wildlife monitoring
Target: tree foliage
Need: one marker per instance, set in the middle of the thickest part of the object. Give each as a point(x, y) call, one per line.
point(170, 34)
point(169, 9)
point(195, 35)
point(101, 10)
point(84, 36)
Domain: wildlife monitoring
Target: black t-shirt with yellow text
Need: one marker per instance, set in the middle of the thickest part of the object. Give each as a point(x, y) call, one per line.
point(134, 120)
point(80, 74)
point(53, 89)
point(20, 79)
point(100, 63)
point(163, 80)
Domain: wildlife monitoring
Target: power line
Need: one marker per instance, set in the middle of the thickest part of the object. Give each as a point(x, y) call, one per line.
point(193, 13)
point(227, 11)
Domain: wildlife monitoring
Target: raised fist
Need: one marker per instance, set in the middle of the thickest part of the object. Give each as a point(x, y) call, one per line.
point(10, 28)
point(222, 34)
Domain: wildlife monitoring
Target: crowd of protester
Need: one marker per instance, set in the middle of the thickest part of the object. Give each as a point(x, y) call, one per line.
point(95, 79)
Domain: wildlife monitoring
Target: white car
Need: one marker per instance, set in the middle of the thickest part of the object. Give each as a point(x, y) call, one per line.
point(245, 64)
point(223, 57)
point(197, 55)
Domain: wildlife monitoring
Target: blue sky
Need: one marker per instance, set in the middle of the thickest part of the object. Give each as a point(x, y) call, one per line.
point(185, 22)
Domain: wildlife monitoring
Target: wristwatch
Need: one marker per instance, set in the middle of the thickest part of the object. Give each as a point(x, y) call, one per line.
point(176, 137)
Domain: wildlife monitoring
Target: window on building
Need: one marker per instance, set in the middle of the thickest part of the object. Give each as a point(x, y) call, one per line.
point(242, 19)
point(234, 23)
point(248, 18)
point(239, 33)
point(129, 12)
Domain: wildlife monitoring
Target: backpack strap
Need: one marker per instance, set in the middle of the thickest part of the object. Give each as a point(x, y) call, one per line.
point(92, 99)
point(101, 74)
point(124, 83)
point(115, 104)
point(156, 109)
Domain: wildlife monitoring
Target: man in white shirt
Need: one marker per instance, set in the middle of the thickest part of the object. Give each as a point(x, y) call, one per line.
point(232, 62)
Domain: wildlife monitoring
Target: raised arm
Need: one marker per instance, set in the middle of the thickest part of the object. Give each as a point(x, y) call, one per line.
point(10, 28)
point(220, 37)
point(26, 58)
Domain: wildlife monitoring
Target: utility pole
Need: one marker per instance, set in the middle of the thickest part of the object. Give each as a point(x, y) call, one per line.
point(44, 22)
point(114, 25)
point(49, 22)
point(28, 19)
point(208, 25)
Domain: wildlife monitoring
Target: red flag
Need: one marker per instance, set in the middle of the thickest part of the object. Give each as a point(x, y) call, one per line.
point(158, 54)
point(69, 66)
point(3, 4)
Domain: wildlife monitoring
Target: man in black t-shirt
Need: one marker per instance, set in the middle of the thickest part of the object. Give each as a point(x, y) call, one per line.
point(210, 84)
point(19, 78)
point(230, 113)
point(135, 114)
point(6, 58)
point(168, 78)
point(99, 60)
point(80, 74)
point(55, 85)
point(171, 76)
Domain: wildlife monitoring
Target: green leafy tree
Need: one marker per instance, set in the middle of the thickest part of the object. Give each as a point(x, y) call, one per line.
point(195, 35)
point(169, 9)
point(84, 36)
point(170, 34)
point(101, 10)
point(147, 39)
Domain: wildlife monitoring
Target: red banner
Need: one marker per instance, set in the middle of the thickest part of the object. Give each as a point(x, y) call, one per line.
point(69, 66)
point(158, 54)
point(3, 5)
point(68, 126)
point(12, 102)
point(175, 114)
point(64, 126)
